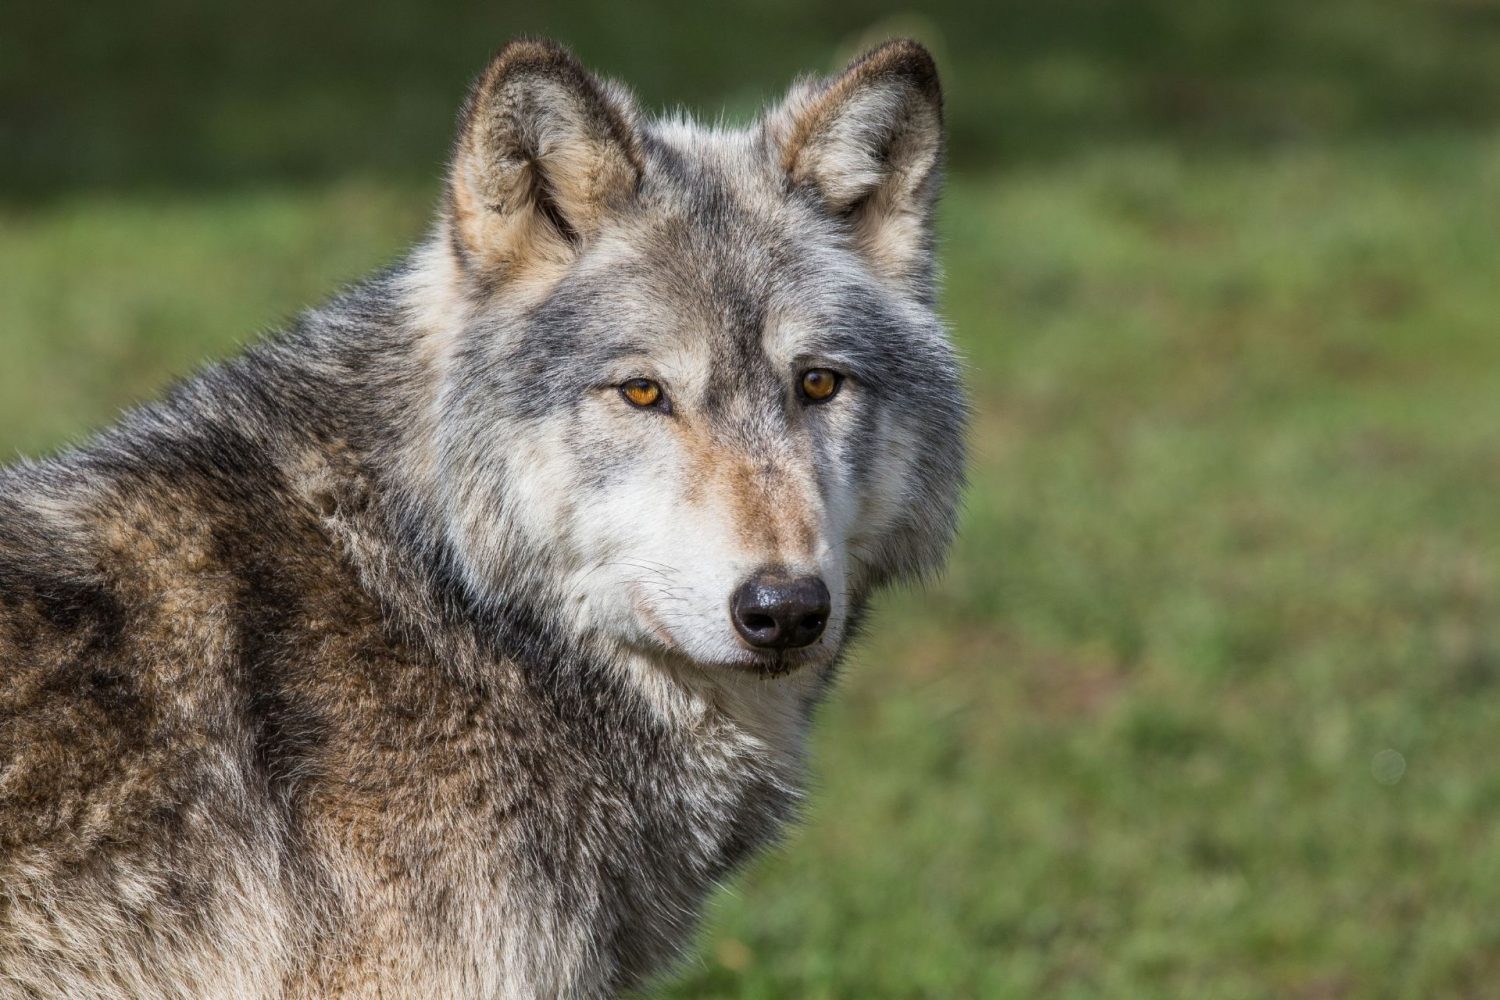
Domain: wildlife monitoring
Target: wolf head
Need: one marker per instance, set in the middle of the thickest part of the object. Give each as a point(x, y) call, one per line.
point(691, 384)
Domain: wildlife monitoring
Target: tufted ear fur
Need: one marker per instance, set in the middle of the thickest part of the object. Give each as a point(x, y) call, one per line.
point(544, 152)
point(869, 144)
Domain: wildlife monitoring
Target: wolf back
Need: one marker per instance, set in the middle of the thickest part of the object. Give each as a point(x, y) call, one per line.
point(458, 639)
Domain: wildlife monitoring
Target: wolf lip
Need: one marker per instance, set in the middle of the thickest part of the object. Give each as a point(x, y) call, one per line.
point(773, 663)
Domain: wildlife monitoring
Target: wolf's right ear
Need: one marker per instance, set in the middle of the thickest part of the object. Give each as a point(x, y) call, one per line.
point(544, 152)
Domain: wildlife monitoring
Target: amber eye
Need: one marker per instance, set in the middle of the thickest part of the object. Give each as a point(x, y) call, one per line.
point(820, 384)
point(642, 392)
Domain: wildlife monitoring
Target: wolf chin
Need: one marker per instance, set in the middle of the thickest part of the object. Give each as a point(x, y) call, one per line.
point(457, 640)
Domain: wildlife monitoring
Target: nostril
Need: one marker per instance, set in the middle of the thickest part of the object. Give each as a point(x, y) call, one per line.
point(813, 621)
point(758, 623)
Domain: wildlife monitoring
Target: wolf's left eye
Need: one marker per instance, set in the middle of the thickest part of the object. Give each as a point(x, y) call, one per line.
point(819, 385)
point(642, 392)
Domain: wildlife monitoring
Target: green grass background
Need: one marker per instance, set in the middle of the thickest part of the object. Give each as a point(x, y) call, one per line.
point(1227, 276)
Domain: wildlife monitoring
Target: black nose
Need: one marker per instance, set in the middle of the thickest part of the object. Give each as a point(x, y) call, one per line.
point(775, 611)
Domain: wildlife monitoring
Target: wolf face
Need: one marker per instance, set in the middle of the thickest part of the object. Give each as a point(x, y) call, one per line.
point(691, 381)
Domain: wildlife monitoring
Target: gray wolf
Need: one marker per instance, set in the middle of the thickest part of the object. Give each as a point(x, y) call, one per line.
point(458, 639)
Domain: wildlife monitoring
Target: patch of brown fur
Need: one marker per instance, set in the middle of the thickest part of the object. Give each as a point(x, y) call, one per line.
point(766, 507)
point(100, 752)
point(79, 731)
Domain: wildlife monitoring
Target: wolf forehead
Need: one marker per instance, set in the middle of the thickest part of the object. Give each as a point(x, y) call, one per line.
point(700, 274)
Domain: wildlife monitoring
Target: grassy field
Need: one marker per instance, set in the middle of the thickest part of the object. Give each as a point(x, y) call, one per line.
point(1209, 702)
point(1231, 544)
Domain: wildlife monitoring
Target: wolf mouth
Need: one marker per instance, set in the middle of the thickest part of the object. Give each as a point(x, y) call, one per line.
point(776, 663)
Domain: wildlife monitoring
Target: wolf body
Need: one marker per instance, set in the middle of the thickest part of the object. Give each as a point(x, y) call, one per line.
point(408, 653)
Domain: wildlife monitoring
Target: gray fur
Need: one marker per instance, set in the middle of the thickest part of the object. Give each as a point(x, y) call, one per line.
point(391, 658)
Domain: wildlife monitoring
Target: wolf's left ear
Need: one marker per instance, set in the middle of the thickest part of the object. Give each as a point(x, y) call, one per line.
point(869, 143)
point(545, 151)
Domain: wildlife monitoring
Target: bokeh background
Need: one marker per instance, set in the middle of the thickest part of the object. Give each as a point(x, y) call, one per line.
point(1209, 703)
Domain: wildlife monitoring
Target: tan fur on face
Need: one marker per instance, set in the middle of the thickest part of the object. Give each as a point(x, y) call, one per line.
point(771, 509)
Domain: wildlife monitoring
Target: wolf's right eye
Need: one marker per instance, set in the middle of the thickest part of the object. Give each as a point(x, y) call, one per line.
point(642, 392)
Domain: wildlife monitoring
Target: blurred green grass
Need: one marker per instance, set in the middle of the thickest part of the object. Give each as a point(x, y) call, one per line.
point(1232, 539)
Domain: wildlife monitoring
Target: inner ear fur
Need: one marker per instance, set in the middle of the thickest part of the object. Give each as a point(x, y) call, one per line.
point(869, 143)
point(544, 152)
